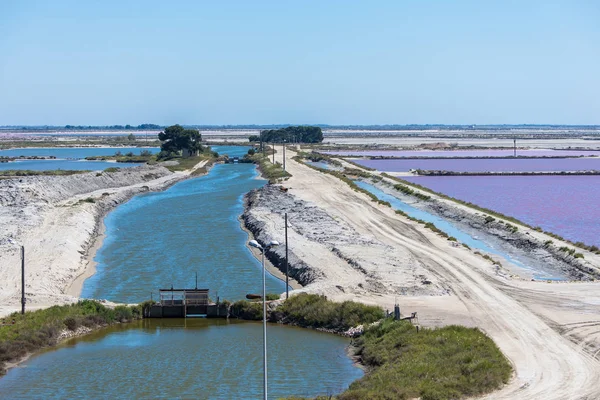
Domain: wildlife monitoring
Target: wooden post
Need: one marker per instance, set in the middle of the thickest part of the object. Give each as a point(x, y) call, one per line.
point(22, 279)
point(284, 160)
point(287, 276)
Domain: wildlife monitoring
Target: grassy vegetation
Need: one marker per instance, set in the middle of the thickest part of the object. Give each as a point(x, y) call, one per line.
point(408, 191)
point(271, 172)
point(36, 330)
point(316, 311)
point(27, 172)
point(112, 169)
point(311, 311)
point(447, 363)
point(185, 163)
point(124, 159)
point(249, 310)
point(316, 157)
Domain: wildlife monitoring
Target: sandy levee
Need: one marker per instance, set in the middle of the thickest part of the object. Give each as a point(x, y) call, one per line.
point(358, 249)
point(58, 219)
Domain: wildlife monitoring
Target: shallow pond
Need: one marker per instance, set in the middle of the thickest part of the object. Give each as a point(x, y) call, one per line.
point(193, 358)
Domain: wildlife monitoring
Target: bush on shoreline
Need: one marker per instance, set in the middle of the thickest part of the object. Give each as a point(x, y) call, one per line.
point(271, 172)
point(36, 330)
point(316, 311)
point(445, 363)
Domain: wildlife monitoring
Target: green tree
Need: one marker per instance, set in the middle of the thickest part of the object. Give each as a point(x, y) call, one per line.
point(293, 134)
point(175, 139)
point(131, 137)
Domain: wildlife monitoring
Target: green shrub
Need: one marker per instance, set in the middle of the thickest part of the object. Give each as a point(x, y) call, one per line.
point(112, 169)
point(315, 311)
point(123, 314)
point(273, 296)
point(38, 329)
point(489, 219)
point(578, 255)
point(447, 363)
point(71, 323)
point(249, 310)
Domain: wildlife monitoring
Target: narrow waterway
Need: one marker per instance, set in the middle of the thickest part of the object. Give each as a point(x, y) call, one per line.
point(161, 239)
point(164, 238)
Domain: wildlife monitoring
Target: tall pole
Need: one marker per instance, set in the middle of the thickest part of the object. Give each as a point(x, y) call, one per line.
point(287, 281)
point(264, 296)
point(273, 153)
point(515, 147)
point(284, 163)
point(22, 279)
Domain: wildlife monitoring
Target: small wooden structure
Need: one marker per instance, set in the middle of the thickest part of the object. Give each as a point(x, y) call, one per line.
point(184, 303)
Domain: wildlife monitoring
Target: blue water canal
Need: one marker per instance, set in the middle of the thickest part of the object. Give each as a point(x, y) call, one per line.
point(162, 239)
point(451, 230)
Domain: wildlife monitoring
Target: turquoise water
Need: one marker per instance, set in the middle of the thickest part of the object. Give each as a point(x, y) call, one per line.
point(68, 158)
point(451, 230)
point(161, 239)
point(73, 158)
point(185, 359)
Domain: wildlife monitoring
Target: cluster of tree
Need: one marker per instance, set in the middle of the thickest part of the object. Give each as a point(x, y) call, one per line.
point(176, 140)
point(291, 134)
point(113, 127)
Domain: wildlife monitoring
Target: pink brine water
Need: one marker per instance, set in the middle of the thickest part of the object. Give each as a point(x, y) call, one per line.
point(566, 205)
point(486, 164)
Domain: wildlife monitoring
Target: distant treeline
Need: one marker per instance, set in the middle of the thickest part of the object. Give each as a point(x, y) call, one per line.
point(291, 134)
point(113, 127)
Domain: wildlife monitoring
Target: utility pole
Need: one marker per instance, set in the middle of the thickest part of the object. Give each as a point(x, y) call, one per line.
point(287, 276)
point(284, 168)
point(22, 279)
point(515, 147)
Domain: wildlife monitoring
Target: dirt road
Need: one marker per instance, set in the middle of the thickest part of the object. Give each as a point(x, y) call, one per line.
point(550, 332)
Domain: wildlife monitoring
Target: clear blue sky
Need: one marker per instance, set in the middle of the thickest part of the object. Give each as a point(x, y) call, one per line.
point(336, 62)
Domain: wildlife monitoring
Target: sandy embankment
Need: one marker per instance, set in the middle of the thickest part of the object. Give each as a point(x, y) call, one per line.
point(58, 226)
point(550, 332)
